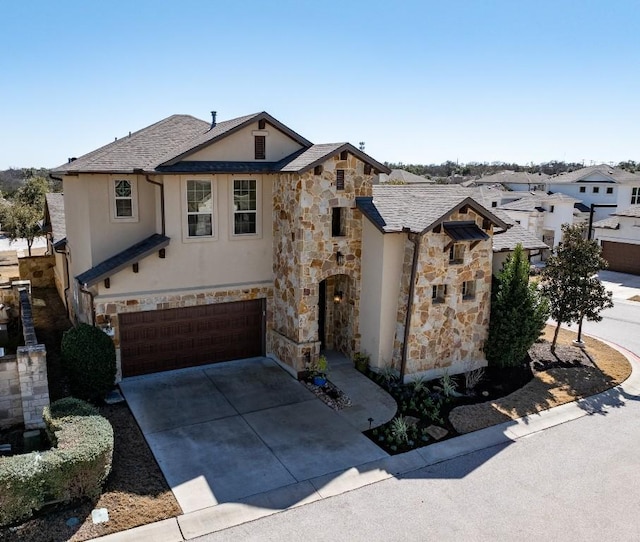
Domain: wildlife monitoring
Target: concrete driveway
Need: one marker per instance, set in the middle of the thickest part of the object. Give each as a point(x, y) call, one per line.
point(224, 432)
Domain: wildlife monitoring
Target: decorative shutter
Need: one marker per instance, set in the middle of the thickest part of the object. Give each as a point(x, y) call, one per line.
point(260, 147)
point(340, 179)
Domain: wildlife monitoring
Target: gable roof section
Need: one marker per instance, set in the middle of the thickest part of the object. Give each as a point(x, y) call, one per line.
point(464, 231)
point(611, 223)
point(123, 259)
point(224, 129)
point(54, 218)
point(418, 208)
point(507, 240)
point(513, 177)
point(614, 174)
point(315, 155)
point(633, 212)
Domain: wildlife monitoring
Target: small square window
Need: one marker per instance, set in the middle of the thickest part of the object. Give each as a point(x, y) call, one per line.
point(469, 289)
point(337, 222)
point(494, 204)
point(596, 189)
point(438, 293)
point(635, 196)
point(552, 208)
point(609, 189)
point(583, 189)
point(340, 179)
point(456, 253)
point(343, 155)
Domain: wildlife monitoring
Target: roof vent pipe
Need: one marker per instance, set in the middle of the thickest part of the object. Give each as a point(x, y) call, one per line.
point(213, 119)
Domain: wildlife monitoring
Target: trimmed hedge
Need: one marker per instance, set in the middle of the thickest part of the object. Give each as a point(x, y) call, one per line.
point(89, 358)
point(77, 466)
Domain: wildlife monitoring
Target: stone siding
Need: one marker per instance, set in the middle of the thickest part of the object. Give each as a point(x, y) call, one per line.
point(306, 253)
point(447, 336)
point(107, 311)
point(10, 398)
point(38, 269)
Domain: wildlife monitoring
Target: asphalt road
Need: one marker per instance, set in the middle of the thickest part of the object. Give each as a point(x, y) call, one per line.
point(577, 481)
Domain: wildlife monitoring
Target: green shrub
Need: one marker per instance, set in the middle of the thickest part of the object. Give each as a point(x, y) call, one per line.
point(89, 358)
point(76, 467)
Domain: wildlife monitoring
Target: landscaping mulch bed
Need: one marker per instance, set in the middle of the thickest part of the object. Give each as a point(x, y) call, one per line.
point(570, 374)
point(135, 493)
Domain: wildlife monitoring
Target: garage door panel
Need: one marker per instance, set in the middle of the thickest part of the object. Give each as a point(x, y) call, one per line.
point(622, 257)
point(167, 339)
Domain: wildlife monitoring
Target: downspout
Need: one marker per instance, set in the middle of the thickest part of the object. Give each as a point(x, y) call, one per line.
point(161, 200)
point(415, 239)
point(591, 212)
point(83, 289)
point(68, 281)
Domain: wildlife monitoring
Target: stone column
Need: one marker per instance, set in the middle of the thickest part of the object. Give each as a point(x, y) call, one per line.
point(34, 387)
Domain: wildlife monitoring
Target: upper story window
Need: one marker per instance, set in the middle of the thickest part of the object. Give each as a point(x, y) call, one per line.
point(124, 203)
point(245, 207)
point(340, 179)
point(438, 293)
point(338, 222)
point(583, 189)
point(596, 189)
point(494, 204)
point(635, 195)
point(469, 289)
point(199, 209)
point(609, 189)
point(260, 143)
point(552, 208)
point(456, 253)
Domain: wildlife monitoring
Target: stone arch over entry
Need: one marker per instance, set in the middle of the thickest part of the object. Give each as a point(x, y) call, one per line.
point(337, 318)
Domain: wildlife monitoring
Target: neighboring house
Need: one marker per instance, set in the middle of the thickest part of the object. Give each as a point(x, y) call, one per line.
point(55, 228)
point(192, 242)
point(400, 176)
point(619, 236)
point(518, 181)
point(505, 241)
point(544, 214)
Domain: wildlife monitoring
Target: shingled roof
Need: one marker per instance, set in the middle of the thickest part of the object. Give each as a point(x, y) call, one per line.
point(614, 174)
point(507, 240)
point(165, 147)
point(418, 208)
point(54, 218)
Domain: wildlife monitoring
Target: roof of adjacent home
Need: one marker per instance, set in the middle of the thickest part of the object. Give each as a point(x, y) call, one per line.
point(165, 147)
point(611, 223)
point(534, 202)
point(54, 217)
point(512, 177)
point(507, 240)
point(633, 212)
point(614, 174)
point(405, 177)
point(418, 208)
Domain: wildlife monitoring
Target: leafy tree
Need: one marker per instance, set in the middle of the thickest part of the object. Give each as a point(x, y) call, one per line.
point(518, 313)
point(570, 280)
point(22, 221)
point(33, 192)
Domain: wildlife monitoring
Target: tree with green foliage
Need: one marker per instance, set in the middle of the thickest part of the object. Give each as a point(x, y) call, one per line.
point(570, 280)
point(21, 220)
point(518, 313)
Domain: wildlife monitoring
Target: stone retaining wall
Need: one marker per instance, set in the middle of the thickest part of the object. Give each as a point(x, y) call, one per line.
point(10, 398)
point(38, 269)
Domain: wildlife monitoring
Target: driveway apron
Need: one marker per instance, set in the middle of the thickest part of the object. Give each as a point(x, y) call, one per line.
point(223, 432)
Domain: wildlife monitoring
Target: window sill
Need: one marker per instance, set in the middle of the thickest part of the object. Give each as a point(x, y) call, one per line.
point(468, 297)
point(437, 301)
point(456, 262)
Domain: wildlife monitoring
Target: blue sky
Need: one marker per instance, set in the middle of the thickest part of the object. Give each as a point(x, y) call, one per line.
point(418, 81)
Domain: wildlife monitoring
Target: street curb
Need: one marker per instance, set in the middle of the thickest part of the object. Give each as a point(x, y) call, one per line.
point(227, 515)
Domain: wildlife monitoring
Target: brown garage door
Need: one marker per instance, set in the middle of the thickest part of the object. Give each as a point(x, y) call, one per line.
point(622, 257)
point(161, 340)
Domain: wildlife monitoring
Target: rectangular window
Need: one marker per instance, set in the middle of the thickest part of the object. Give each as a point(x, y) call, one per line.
point(337, 222)
point(583, 189)
point(494, 204)
point(469, 289)
point(260, 147)
point(596, 189)
point(340, 179)
point(552, 208)
point(438, 293)
point(609, 190)
point(123, 196)
point(635, 196)
point(245, 207)
point(199, 208)
point(456, 253)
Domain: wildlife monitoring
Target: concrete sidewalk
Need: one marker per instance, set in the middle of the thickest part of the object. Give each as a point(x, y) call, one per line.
point(223, 516)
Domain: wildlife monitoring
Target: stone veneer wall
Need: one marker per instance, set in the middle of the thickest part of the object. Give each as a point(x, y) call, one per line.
point(107, 311)
point(305, 254)
point(38, 269)
point(10, 398)
point(445, 336)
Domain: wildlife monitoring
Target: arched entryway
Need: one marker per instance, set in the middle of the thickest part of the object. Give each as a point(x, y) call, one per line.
point(335, 314)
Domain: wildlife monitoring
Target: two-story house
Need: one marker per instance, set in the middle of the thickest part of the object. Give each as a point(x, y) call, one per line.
point(193, 242)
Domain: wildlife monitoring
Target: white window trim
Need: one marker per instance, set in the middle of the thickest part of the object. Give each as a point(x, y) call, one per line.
point(635, 195)
point(186, 238)
point(238, 236)
point(134, 199)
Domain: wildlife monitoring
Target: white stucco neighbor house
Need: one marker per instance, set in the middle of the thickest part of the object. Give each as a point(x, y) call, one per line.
point(619, 237)
point(192, 242)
